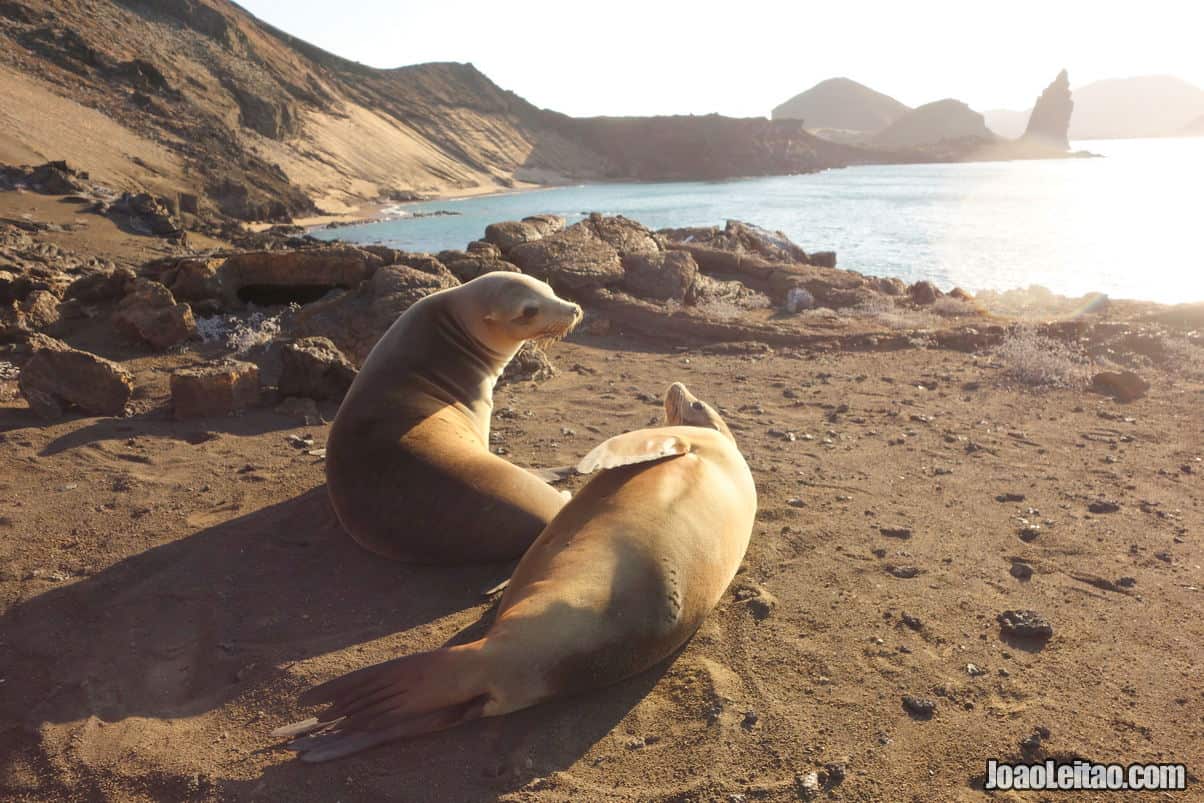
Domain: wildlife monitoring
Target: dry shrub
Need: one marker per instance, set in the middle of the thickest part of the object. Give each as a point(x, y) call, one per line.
point(950, 307)
point(1038, 361)
point(728, 307)
point(886, 312)
point(240, 334)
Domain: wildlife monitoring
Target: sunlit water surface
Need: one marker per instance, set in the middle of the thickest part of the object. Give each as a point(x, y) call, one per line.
point(1130, 224)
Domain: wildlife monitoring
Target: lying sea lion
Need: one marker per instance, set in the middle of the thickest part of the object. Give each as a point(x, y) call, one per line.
point(408, 464)
point(619, 581)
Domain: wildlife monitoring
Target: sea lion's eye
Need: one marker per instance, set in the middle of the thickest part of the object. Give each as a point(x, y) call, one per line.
point(529, 312)
point(697, 405)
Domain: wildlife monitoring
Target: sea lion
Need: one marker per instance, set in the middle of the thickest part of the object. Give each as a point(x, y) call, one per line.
point(408, 465)
point(616, 583)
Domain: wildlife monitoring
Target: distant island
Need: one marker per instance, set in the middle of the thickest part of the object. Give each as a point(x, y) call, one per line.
point(201, 101)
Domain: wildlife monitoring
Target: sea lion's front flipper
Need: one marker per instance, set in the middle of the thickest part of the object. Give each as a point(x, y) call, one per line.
point(641, 446)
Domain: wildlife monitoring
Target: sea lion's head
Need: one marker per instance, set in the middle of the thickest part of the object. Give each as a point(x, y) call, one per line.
point(509, 308)
point(684, 409)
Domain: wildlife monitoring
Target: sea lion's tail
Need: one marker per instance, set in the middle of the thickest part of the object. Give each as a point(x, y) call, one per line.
point(416, 694)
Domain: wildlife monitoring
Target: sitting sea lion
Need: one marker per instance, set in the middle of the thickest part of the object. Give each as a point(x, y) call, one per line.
point(408, 464)
point(618, 582)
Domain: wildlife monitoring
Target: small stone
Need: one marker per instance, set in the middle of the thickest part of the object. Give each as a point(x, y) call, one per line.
point(1021, 570)
point(750, 719)
point(1026, 624)
point(911, 621)
point(903, 572)
point(1127, 582)
point(1009, 497)
point(973, 670)
point(808, 785)
point(1030, 533)
point(1103, 506)
point(796, 502)
point(896, 532)
point(920, 707)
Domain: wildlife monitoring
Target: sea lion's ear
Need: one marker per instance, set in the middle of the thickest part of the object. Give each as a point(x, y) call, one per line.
point(641, 446)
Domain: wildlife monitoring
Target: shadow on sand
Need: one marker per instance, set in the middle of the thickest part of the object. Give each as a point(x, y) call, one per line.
point(184, 628)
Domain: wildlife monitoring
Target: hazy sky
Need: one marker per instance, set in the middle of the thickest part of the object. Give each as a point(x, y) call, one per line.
point(743, 58)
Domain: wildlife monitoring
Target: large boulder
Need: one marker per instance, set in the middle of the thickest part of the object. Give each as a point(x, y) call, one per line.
point(1124, 386)
point(222, 388)
point(197, 280)
point(57, 377)
point(315, 368)
point(624, 235)
point(476, 262)
point(924, 293)
point(149, 312)
point(573, 260)
point(545, 224)
point(355, 320)
point(105, 285)
point(661, 275)
point(511, 233)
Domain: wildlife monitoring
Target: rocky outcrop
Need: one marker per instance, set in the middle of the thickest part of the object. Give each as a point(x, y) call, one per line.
point(58, 377)
point(356, 319)
point(220, 388)
point(313, 367)
point(660, 275)
point(1049, 123)
point(741, 238)
point(572, 260)
point(150, 313)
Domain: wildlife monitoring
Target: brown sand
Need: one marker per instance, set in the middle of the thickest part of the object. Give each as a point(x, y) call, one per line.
point(167, 589)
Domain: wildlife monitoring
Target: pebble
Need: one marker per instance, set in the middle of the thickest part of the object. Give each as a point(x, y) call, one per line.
point(896, 532)
point(1029, 533)
point(903, 572)
point(1009, 497)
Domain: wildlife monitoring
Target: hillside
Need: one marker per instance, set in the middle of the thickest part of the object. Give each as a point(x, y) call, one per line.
point(842, 104)
point(198, 96)
point(933, 123)
point(1146, 106)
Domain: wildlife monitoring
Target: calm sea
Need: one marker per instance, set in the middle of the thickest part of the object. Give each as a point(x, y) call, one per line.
point(1130, 224)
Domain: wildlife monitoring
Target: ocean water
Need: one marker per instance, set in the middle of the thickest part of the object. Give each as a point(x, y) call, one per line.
point(1129, 224)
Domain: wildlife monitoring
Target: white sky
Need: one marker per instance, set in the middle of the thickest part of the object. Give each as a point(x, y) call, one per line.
point(743, 58)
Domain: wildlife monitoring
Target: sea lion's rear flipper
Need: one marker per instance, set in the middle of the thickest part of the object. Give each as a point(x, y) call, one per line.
point(641, 446)
point(420, 693)
point(554, 475)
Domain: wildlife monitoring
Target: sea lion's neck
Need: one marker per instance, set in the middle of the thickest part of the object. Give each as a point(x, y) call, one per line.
point(465, 369)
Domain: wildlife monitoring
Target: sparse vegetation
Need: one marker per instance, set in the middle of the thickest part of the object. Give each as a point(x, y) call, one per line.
point(950, 307)
point(1038, 361)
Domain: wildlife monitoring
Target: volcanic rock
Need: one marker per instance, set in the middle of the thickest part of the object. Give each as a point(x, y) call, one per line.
point(355, 320)
point(1049, 123)
point(572, 260)
point(512, 233)
point(661, 275)
point(1124, 386)
point(150, 312)
point(58, 376)
point(315, 368)
point(101, 286)
point(218, 389)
